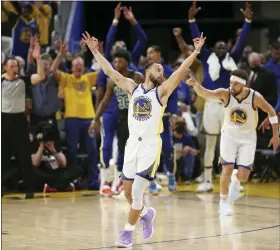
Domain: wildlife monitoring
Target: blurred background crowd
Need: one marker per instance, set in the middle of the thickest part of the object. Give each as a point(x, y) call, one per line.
point(52, 87)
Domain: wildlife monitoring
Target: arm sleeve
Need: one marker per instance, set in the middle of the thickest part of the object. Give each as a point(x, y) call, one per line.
point(110, 38)
point(101, 79)
point(187, 94)
point(237, 52)
point(140, 44)
point(205, 53)
point(172, 103)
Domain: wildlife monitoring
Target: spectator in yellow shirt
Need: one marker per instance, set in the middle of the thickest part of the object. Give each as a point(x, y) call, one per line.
point(43, 14)
point(79, 111)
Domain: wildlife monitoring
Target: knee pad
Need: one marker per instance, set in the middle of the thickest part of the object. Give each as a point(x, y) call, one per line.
point(138, 190)
point(210, 150)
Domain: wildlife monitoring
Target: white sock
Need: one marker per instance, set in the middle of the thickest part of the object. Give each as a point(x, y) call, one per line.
point(144, 211)
point(208, 174)
point(129, 227)
point(223, 197)
point(234, 176)
point(104, 175)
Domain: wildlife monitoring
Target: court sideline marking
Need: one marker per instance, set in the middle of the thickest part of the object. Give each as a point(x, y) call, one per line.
point(186, 239)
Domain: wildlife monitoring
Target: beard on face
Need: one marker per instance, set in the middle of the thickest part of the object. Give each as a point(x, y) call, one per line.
point(236, 93)
point(156, 81)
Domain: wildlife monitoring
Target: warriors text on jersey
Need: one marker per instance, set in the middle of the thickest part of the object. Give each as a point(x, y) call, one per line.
point(240, 116)
point(145, 112)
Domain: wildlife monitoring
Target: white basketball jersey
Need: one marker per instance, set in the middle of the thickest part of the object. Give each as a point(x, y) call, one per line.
point(240, 116)
point(145, 112)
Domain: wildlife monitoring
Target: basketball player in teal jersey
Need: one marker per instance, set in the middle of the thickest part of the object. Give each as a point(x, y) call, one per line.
point(143, 147)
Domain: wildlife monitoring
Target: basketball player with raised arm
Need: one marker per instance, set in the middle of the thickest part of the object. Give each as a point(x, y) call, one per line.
point(238, 134)
point(143, 147)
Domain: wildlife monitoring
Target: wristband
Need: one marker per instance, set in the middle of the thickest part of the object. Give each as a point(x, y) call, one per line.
point(197, 52)
point(273, 119)
point(115, 21)
point(191, 20)
point(247, 20)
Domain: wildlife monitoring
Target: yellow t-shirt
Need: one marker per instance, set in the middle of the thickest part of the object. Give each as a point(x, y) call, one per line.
point(77, 95)
point(43, 22)
point(10, 7)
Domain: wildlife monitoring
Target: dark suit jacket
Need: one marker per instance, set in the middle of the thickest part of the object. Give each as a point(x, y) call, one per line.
point(264, 82)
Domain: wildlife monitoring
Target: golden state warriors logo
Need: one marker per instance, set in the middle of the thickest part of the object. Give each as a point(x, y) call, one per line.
point(142, 108)
point(238, 116)
point(80, 86)
point(25, 35)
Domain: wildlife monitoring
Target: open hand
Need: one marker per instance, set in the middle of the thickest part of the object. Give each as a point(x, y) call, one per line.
point(33, 40)
point(50, 146)
point(95, 126)
point(274, 142)
point(90, 41)
point(63, 48)
point(198, 42)
point(36, 50)
point(248, 13)
point(193, 10)
point(128, 14)
point(117, 11)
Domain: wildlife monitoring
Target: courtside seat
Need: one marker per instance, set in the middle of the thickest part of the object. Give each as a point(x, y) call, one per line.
point(271, 163)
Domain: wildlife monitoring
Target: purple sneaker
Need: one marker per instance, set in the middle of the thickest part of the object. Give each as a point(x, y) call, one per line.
point(147, 221)
point(125, 239)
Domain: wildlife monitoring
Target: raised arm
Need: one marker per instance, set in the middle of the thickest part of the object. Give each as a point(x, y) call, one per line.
point(167, 87)
point(241, 42)
point(142, 39)
point(126, 84)
point(54, 69)
point(40, 75)
point(110, 38)
point(220, 93)
point(193, 10)
point(177, 32)
point(260, 102)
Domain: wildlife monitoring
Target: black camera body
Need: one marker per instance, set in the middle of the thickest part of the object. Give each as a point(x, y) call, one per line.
point(44, 131)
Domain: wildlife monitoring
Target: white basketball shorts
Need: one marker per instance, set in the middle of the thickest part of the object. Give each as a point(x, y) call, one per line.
point(238, 149)
point(213, 117)
point(141, 157)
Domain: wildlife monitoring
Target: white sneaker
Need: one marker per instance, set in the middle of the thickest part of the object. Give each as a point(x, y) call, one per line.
point(205, 187)
point(225, 209)
point(234, 187)
point(159, 187)
point(105, 190)
point(200, 178)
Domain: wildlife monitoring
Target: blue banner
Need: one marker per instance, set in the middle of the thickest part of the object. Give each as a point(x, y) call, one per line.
point(75, 27)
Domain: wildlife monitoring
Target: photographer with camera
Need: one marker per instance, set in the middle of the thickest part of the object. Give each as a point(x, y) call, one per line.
point(47, 156)
point(185, 151)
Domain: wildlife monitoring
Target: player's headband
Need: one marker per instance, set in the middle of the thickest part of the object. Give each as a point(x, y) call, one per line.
point(238, 79)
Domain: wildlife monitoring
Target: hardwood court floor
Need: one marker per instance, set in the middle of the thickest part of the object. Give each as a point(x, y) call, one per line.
point(185, 220)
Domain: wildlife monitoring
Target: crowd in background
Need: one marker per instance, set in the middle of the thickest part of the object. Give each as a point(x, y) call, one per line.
point(61, 95)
